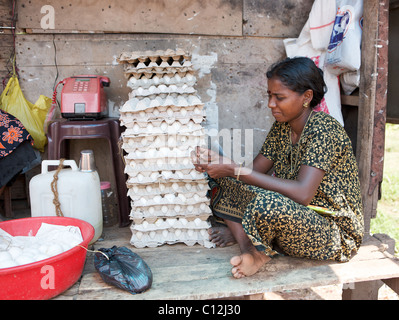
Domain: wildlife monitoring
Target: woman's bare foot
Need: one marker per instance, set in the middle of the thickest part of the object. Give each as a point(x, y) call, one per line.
point(248, 263)
point(221, 236)
point(250, 260)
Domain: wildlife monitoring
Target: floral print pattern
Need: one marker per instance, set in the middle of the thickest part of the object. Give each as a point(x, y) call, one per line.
point(12, 133)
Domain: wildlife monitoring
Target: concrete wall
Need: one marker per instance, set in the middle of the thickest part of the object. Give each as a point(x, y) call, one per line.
point(6, 39)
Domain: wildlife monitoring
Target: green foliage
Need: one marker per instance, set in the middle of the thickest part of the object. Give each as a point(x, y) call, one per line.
point(387, 220)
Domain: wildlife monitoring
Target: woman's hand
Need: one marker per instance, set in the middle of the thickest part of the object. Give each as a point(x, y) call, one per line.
point(215, 165)
point(200, 157)
point(203, 156)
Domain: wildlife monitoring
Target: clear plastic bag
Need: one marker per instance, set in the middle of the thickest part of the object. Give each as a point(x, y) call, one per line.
point(122, 268)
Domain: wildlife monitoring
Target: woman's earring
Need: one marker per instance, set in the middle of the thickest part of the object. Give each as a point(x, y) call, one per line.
point(306, 104)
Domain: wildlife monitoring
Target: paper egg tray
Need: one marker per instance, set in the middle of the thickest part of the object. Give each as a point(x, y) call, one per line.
point(152, 58)
point(137, 104)
point(162, 89)
point(167, 125)
point(170, 210)
point(142, 143)
point(169, 114)
point(158, 62)
point(170, 199)
point(133, 168)
point(171, 236)
point(161, 187)
point(151, 177)
point(148, 72)
point(146, 225)
point(154, 225)
point(157, 231)
point(134, 128)
point(163, 79)
point(167, 152)
point(163, 118)
point(162, 175)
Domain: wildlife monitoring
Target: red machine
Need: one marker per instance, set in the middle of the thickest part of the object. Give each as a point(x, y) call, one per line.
point(83, 97)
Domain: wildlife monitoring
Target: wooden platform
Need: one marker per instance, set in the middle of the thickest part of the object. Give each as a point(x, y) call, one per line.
point(182, 272)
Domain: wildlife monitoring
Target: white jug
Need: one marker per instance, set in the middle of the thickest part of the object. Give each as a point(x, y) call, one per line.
point(79, 194)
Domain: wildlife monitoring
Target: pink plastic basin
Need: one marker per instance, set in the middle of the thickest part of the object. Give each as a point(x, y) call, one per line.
point(46, 278)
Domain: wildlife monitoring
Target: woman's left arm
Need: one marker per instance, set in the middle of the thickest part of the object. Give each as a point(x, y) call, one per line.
point(301, 190)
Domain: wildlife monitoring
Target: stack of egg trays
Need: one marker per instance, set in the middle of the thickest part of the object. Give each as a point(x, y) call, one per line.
point(163, 119)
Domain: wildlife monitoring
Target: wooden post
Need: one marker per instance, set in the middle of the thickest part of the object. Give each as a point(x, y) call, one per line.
point(372, 104)
point(393, 284)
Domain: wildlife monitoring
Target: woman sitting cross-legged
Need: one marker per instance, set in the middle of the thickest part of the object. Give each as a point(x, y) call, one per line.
point(313, 164)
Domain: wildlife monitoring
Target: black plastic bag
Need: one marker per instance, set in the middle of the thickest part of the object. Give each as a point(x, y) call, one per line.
point(123, 269)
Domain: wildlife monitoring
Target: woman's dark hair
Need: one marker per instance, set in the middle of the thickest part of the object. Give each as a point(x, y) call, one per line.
point(300, 74)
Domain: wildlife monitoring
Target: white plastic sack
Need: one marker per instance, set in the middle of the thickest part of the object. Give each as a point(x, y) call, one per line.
point(350, 81)
point(344, 49)
point(310, 44)
point(321, 21)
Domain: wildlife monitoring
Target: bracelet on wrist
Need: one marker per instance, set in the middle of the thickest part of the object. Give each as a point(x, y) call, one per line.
point(239, 172)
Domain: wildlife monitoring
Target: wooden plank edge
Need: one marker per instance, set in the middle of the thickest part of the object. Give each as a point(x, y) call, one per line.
point(393, 283)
